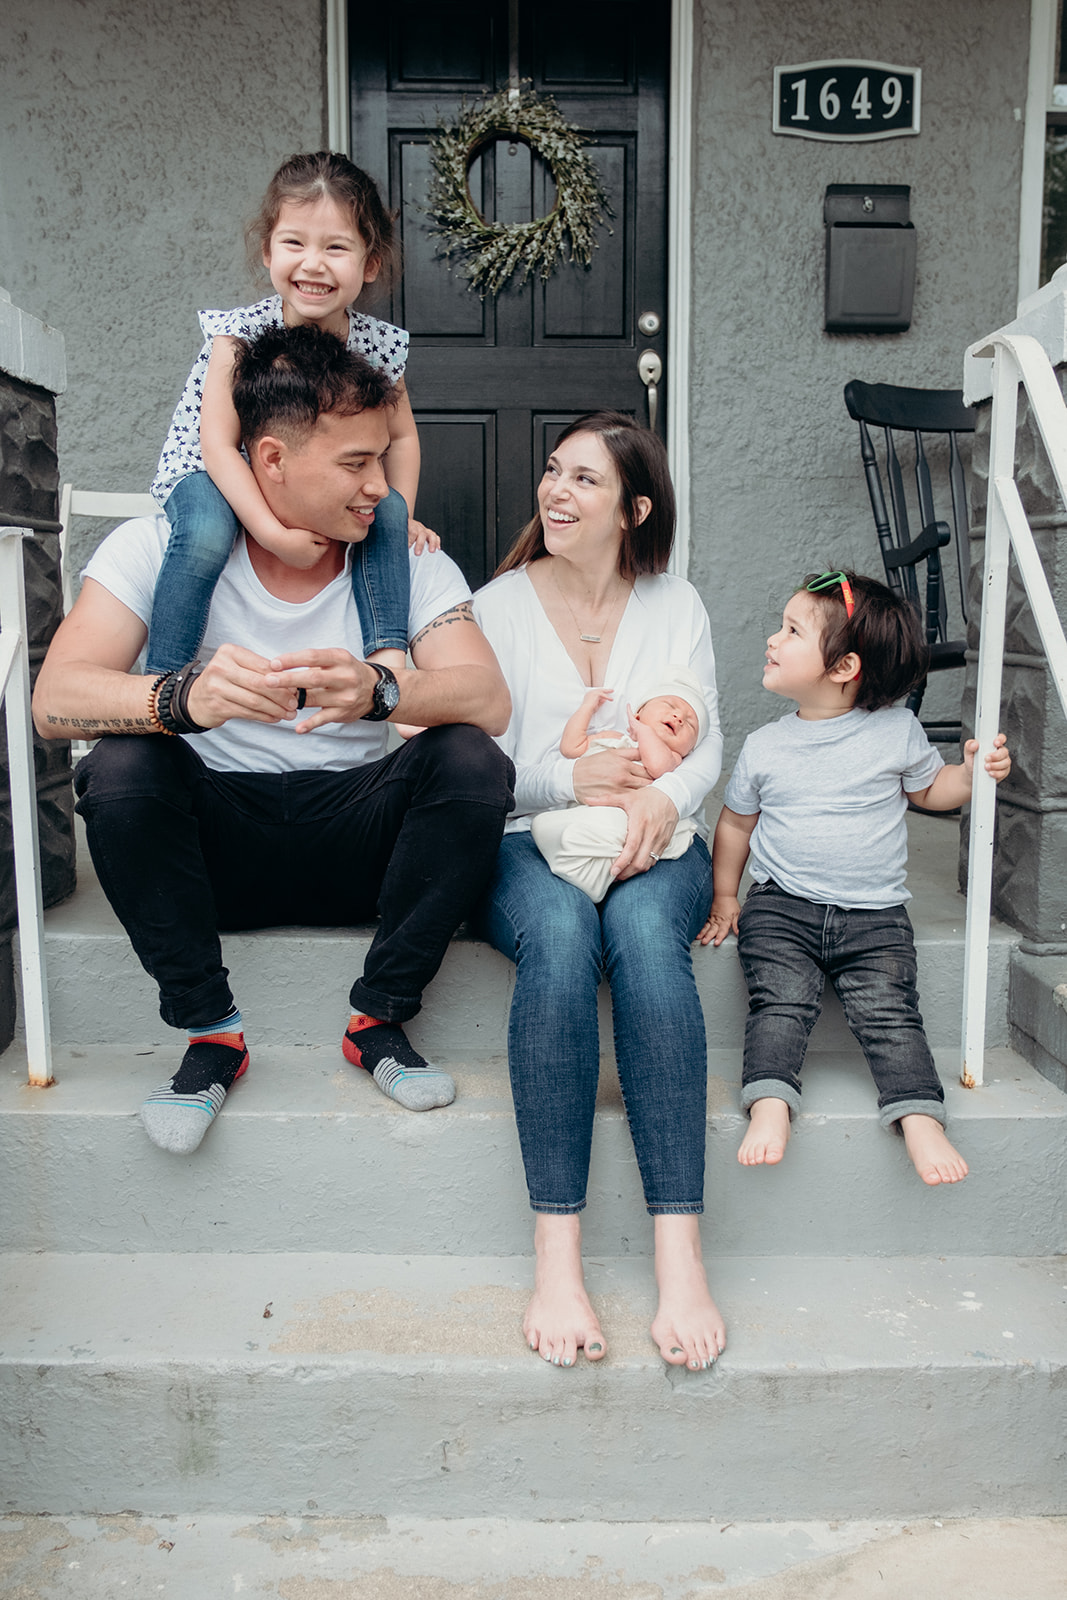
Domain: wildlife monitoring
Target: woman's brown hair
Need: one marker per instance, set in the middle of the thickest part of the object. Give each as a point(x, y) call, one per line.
point(641, 463)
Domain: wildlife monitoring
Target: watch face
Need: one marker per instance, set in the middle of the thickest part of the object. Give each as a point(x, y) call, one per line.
point(386, 695)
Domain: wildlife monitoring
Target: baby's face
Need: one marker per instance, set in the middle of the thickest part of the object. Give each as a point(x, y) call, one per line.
point(673, 719)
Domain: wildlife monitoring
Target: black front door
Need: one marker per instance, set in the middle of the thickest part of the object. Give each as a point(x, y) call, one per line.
point(493, 380)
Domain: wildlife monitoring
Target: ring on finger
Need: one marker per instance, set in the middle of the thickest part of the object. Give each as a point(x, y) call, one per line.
point(654, 856)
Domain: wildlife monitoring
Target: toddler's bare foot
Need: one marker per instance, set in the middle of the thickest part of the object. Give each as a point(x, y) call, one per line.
point(768, 1133)
point(934, 1159)
point(559, 1319)
point(688, 1327)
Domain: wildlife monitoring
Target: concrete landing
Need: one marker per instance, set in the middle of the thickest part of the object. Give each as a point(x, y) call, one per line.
point(398, 1558)
point(377, 1178)
point(850, 1388)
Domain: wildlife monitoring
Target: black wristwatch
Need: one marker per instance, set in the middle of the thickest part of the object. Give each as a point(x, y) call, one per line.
point(386, 694)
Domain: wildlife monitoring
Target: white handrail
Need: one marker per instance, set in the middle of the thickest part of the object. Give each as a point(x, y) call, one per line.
point(1017, 359)
point(15, 692)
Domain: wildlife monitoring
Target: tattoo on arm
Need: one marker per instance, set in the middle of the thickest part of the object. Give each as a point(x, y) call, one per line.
point(461, 613)
point(96, 727)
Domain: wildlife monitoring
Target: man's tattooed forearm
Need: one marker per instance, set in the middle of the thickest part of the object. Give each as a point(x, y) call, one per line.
point(460, 613)
point(96, 727)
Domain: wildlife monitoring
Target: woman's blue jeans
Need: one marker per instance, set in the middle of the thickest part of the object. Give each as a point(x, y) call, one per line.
point(202, 531)
point(562, 944)
point(788, 947)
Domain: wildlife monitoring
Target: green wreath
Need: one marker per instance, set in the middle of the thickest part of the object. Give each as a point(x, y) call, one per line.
point(495, 250)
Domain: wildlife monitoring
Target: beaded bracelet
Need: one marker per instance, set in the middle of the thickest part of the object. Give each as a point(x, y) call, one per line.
point(155, 721)
point(172, 700)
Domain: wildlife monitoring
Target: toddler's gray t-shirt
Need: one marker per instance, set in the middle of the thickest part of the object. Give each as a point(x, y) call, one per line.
point(831, 799)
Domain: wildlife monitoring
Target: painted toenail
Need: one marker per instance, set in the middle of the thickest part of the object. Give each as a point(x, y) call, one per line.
point(555, 1361)
point(533, 1344)
point(566, 1361)
point(547, 1356)
point(676, 1350)
point(593, 1347)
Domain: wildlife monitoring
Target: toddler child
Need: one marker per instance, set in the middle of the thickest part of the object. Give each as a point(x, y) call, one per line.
point(323, 234)
point(580, 843)
point(819, 799)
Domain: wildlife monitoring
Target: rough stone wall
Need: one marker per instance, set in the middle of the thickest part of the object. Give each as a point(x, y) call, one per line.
point(1030, 863)
point(777, 485)
point(28, 483)
point(136, 137)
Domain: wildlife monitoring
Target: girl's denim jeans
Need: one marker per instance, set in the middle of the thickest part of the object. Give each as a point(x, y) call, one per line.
point(562, 945)
point(202, 531)
point(788, 947)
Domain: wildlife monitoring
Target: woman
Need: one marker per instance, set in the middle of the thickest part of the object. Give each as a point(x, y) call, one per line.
point(582, 600)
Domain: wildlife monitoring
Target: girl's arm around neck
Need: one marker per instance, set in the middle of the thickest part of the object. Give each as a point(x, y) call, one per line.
point(220, 447)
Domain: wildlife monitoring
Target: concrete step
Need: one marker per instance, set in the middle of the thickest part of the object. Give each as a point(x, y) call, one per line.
point(501, 1558)
point(308, 1155)
point(401, 1386)
point(292, 983)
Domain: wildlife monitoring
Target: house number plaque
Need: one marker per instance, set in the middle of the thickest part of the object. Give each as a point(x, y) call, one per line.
point(846, 101)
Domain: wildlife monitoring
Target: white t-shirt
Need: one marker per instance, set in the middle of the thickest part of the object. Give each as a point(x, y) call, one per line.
point(831, 800)
point(243, 612)
point(664, 624)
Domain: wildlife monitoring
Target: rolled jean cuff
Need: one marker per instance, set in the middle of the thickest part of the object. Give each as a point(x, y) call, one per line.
point(687, 1208)
point(387, 1009)
point(549, 1210)
point(770, 1089)
point(208, 1002)
point(888, 1115)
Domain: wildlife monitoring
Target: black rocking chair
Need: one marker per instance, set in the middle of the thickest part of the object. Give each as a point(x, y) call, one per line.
point(918, 412)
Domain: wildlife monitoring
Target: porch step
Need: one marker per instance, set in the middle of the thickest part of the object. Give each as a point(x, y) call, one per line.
point(393, 1385)
point(307, 1154)
point(292, 983)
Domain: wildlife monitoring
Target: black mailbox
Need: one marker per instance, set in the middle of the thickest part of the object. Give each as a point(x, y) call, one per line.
point(870, 258)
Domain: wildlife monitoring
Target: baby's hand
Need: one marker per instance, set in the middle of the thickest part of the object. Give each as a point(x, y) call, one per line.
point(997, 762)
point(722, 919)
point(421, 537)
point(594, 698)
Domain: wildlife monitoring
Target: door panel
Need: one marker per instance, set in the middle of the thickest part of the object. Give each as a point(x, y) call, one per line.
point(493, 380)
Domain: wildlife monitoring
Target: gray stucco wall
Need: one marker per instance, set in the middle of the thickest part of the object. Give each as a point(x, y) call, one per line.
point(777, 486)
point(136, 136)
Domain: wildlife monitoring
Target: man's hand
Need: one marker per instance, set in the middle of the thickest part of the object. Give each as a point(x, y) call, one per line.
point(651, 819)
point(237, 683)
point(338, 683)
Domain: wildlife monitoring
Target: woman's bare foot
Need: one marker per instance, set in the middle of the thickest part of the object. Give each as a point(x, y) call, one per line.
point(560, 1320)
point(688, 1327)
point(768, 1133)
point(934, 1159)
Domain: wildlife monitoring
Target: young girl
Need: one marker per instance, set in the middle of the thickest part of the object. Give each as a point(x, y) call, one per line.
point(323, 234)
point(581, 843)
point(819, 799)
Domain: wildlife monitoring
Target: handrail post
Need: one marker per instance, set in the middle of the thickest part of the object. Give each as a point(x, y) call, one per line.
point(15, 689)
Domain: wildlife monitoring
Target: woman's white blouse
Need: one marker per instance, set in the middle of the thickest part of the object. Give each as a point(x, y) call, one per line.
point(664, 623)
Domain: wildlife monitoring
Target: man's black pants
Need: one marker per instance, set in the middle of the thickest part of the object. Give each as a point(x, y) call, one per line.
point(183, 851)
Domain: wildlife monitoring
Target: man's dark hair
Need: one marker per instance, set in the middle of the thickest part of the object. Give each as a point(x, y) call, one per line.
point(885, 632)
point(286, 378)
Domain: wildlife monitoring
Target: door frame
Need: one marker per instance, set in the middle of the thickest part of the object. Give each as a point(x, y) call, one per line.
point(679, 226)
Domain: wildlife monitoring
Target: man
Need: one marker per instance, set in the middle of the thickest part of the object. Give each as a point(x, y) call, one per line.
point(256, 815)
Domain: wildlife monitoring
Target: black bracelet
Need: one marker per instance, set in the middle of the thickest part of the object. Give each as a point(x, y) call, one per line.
point(180, 705)
point(172, 700)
